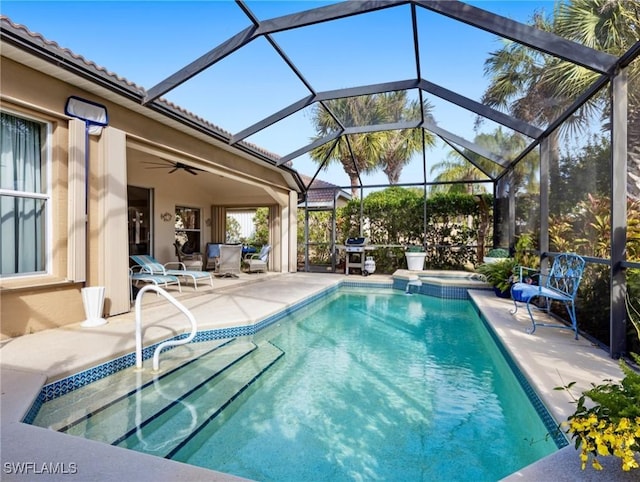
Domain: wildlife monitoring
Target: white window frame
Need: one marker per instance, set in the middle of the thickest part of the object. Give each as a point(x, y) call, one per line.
point(46, 153)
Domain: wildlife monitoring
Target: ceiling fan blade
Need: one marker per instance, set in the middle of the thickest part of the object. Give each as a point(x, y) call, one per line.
point(173, 166)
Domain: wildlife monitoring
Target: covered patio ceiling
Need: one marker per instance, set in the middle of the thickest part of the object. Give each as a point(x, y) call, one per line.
point(421, 47)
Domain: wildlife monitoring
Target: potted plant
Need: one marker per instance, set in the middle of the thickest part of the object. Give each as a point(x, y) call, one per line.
point(415, 257)
point(499, 274)
point(494, 255)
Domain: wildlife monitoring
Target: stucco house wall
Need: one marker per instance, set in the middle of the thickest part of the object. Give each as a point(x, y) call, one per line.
point(120, 156)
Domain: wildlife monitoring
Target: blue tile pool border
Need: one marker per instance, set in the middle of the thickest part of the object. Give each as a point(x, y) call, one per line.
point(61, 387)
point(552, 426)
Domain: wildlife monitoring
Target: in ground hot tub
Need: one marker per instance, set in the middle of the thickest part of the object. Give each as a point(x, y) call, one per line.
point(440, 283)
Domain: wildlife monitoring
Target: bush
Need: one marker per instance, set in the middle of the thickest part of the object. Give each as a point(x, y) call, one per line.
point(611, 426)
point(499, 274)
point(455, 224)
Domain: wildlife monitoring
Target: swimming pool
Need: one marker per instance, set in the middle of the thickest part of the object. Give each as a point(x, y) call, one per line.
point(409, 396)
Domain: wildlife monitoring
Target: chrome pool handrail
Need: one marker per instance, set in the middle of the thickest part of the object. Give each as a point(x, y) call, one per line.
point(167, 343)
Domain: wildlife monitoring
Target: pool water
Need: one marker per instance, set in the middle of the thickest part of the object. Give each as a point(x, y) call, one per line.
point(379, 386)
point(362, 385)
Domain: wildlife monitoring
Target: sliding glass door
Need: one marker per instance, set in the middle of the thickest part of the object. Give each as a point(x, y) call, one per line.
point(139, 220)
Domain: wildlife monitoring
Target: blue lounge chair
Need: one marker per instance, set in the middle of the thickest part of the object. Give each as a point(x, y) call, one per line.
point(560, 284)
point(138, 275)
point(151, 266)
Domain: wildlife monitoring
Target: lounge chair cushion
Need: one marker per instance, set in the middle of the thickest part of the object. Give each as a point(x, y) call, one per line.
point(150, 265)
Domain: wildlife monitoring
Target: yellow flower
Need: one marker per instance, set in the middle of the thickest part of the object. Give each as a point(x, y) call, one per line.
point(629, 463)
point(623, 424)
point(603, 450)
point(602, 437)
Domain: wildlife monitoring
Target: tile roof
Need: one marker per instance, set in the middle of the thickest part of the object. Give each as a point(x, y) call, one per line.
point(322, 192)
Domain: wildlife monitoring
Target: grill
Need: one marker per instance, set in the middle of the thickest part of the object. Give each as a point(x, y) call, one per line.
point(355, 245)
point(354, 249)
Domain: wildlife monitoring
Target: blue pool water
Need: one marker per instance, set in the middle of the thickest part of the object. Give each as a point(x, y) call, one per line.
point(368, 385)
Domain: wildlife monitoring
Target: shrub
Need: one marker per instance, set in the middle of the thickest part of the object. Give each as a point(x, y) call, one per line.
point(498, 274)
point(453, 226)
point(611, 426)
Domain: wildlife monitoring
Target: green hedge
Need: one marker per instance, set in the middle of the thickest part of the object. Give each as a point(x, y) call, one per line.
point(396, 217)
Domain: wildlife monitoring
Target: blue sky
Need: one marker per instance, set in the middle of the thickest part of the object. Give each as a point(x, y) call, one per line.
point(146, 41)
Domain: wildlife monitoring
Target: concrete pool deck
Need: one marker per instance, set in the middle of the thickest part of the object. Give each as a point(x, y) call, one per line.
point(549, 358)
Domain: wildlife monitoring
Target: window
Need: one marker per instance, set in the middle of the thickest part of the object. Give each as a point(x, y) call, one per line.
point(188, 229)
point(24, 196)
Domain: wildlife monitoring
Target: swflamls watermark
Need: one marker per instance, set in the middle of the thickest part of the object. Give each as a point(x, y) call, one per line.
point(40, 468)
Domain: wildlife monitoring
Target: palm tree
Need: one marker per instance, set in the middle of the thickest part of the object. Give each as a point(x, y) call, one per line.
point(360, 152)
point(386, 150)
point(456, 167)
point(507, 146)
point(520, 86)
point(399, 146)
point(518, 83)
point(535, 87)
point(516, 72)
point(612, 26)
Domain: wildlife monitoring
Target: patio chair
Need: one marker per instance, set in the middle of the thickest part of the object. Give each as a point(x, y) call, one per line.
point(560, 284)
point(212, 256)
point(151, 266)
point(229, 262)
point(191, 261)
point(257, 261)
point(138, 275)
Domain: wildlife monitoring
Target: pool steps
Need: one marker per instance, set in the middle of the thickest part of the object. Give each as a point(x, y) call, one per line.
point(169, 408)
point(207, 401)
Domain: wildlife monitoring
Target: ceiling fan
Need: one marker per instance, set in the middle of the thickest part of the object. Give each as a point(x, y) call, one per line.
point(172, 166)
